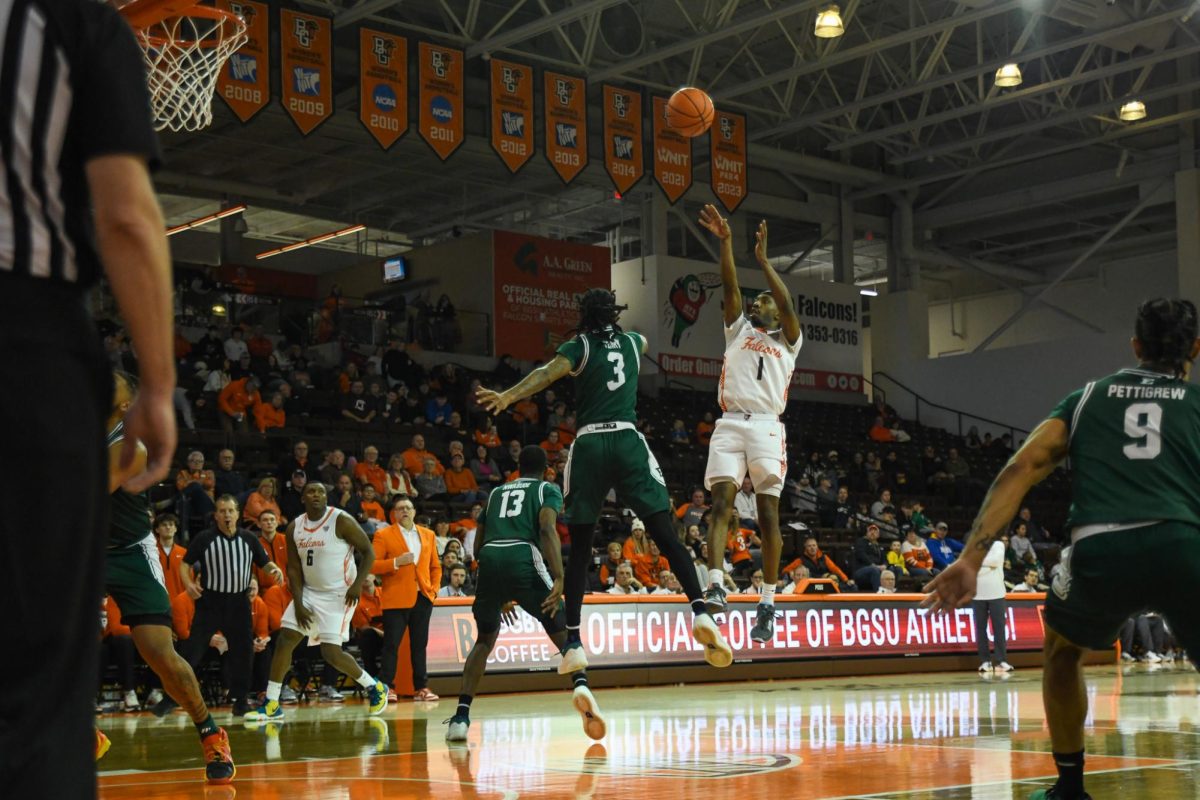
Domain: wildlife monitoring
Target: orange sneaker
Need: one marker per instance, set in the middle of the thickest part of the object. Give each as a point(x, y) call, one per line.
point(218, 760)
point(102, 744)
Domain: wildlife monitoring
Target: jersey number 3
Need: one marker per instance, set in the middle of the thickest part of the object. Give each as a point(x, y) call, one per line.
point(1143, 421)
point(618, 362)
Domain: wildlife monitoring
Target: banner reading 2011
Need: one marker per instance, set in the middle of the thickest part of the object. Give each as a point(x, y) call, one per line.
point(727, 139)
point(565, 99)
point(245, 81)
point(672, 155)
point(305, 68)
point(512, 113)
point(440, 74)
point(623, 137)
point(383, 85)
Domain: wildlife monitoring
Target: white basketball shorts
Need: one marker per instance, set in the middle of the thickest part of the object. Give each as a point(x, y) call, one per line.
point(748, 443)
point(330, 618)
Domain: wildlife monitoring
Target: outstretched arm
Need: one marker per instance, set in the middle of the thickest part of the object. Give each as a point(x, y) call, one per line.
point(717, 225)
point(364, 554)
point(788, 319)
point(537, 380)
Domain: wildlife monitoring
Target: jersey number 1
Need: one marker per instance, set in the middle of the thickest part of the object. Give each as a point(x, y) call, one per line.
point(1143, 421)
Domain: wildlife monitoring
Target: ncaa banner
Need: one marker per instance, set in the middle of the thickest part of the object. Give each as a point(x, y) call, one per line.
point(623, 137)
point(672, 155)
point(727, 138)
point(306, 68)
point(440, 74)
point(512, 113)
point(536, 283)
point(244, 81)
point(564, 100)
point(383, 85)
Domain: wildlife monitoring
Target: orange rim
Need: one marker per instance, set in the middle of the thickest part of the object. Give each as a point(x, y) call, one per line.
point(204, 12)
point(144, 13)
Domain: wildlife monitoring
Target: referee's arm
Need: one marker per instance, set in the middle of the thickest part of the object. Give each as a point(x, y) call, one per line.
point(194, 553)
point(260, 557)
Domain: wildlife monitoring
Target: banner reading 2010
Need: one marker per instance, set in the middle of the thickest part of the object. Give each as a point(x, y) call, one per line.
point(306, 68)
point(383, 85)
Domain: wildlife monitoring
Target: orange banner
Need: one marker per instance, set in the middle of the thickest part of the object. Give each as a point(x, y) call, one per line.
point(245, 81)
point(440, 73)
point(512, 113)
point(623, 137)
point(383, 85)
point(672, 155)
point(727, 139)
point(305, 68)
point(565, 112)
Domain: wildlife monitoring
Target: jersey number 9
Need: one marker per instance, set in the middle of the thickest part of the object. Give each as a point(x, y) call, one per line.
point(1143, 421)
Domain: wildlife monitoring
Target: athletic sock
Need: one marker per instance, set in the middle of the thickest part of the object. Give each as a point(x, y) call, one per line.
point(716, 577)
point(579, 678)
point(207, 727)
point(572, 637)
point(1070, 774)
point(366, 681)
point(768, 595)
point(273, 690)
point(699, 608)
point(464, 706)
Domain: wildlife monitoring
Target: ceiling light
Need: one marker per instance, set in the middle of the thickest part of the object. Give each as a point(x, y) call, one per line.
point(1133, 111)
point(218, 310)
point(1008, 76)
point(196, 223)
point(829, 23)
point(868, 292)
point(324, 237)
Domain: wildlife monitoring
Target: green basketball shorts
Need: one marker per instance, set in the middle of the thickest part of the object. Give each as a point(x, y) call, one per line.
point(133, 576)
point(513, 570)
point(612, 455)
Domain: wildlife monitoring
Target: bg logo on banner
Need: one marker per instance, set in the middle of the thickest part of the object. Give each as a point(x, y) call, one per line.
point(383, 85)
point(727, 139)
point(305, 67)
point(565, 112)
point(623, 137)
point(244, 83)
point(672, 155)
point(512, 113)
point(440, 73)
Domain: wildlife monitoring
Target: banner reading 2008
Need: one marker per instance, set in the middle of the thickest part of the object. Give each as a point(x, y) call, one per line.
point(440, 74)
point(305, 68)
point(383, 85)
point(728, 141)
point(623, 137)
point(512, 113)
point(245, 81)
point(565, 98)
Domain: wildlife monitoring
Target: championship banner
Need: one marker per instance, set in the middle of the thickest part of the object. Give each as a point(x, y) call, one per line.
point(512, 113)
point(244, 83)
point(537, 282)
point(623, 137)
point(672, 155)
point(306, 68)
point(440, 74)
point(692, 334)
point(383, 85)
point(565, 112)
point(656, 631)
point(727, 139)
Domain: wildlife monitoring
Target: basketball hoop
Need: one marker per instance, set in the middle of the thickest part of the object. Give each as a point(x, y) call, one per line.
point(184, 54)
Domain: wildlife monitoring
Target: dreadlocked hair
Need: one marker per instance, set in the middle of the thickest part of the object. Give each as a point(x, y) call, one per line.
point(598, 312)
point(1167, 330)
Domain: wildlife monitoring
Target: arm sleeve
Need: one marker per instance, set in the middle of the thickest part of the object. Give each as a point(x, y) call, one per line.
point(832, 566)
point(196, 548)
point(1066, 409)
point(384, 562)
point(552, 497)
point(575, 351)
point(732, 330)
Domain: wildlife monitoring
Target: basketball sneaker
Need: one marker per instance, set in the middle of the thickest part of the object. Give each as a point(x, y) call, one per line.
point(269, 711)
point(457, 732)
point(218, 760)
point(986, 668)
point(573, 659)
point(102, 744)
point(716, 650)
point(764, 624)
point(1054, 794)
point(154, 698)
point(131, 701)
point(377, 698)
point(585, 703)
point(330, 694)
point(714, 599)
point(1004, 666)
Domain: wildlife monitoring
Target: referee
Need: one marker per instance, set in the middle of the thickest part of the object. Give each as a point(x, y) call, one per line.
point(224, 555)
point(76, 134)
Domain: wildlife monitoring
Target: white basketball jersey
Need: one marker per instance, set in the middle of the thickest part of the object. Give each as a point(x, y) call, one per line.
point(758, 369)
point(327, 561)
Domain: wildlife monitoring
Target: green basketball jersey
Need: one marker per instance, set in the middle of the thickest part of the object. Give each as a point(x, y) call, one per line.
point(129, 515)
point(606, 373)
point(1135, 449)
point(513, 510)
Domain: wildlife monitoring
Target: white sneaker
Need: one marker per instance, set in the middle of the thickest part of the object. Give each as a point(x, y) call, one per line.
point(573, 660)
point(1152, 657)
point(716, 650)
point(593, 723)
point(288, 695)
point(985, 667)
point(1168, 658)
point(131, 702)
point(1004, 666)
point(457, 732)
point(154, 698)
point(1127, 656)
point(328, 693)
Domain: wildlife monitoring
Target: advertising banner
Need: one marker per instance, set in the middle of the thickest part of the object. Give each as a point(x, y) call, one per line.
point(512, 113)
point(306, 68)
point(383, 85)
point(652, 631)
point(245, 81)
point(727, 139)
point(564, 99)
point(623, 137)
point(692, 337)
point(537, 282)
point(440, 74)
point(672, 155)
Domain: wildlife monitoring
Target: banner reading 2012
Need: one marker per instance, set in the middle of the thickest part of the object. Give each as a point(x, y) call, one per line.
point(245, 81)
point(440, 73)
point(727, 138)
point(623, 137)
point(383, 85)
point(512, 113)
point(565, 112)
point(305, 68)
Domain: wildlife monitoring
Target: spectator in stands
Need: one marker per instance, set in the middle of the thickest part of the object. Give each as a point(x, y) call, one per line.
point(638, 544)
point(274, 543)
point(607, 573)
point(856, 474)
point(626, 583)
point(259, 345)
point(895, 558)
point(796, 579)
point(932, 469)
point(225, 479)
point(169, 553)
point(679, 433)
point(345, 498)
point(376, 399)
point(333, 467)
point(557, 414)
point(887, 583)
point(372, 511)
point(917, 557)
point(457, 428)
point(973, 441)
point(217, 379)
point(391, 411)
point(693, 536)
point(235, 401)
point(526, 417)
point(942, 549)
point(399, 367)
point(802, 496)
point(869, 560)
point(989, 603)
point(261, 499)
point(297, 460)
point(551, 444)
point(369, 471)
point(1031, 583)
point(429, 483)
point(270, 415)
point(739, 543)
point(506, 371)
point(397, 480)
point(959, 472)
point(291, 499)
point(895, 473)
point(456, 585)
point(486, 434)
point(195, 485)
point(415, 456)
point(367, 625)
point(835, 470)
point(691, 513)
point(814, 468)
point(745, 505)
point(438, 409)
point(882, 504)
point(919, 520)
point(210, 348)
point(486, 470)
point(668, 583)
point(873, 468)
point(357, 406)
point(843, 512)
point(704, 429)
point(827, 501)
point(507, 460)
point(646, 568)
point(235, 347)
point(460, 483)
point(818, 564)
point(117, 649)
point(349, 374)
point(1020, 544)
point(756, 583)
point(295, 396)
point(1041, 538)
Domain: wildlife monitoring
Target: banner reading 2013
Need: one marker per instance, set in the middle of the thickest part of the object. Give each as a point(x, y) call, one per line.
point(245, 81)
point(565, 99)
point(727, 138)
point(512, 113)
point(623, 137)
point(305, 68)
point(440, 73)
point(383, 85)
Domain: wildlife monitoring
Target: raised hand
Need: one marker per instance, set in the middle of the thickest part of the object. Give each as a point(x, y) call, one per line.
point(493, 401)
point(953, 588)
point(717, 225)
point(760, 245)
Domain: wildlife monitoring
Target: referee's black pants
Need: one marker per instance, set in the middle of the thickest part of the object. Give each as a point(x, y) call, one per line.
point(228, 613)
point(56, 490)
point(416, 621)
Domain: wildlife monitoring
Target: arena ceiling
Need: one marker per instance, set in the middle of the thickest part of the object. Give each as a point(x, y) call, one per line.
point(902, 112)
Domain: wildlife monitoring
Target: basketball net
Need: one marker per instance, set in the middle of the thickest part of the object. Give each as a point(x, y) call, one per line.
point(183, 56)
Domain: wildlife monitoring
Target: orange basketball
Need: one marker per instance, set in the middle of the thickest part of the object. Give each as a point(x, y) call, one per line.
point(690, 111)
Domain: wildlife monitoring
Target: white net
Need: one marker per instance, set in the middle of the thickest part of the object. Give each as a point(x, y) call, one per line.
point(184, 56)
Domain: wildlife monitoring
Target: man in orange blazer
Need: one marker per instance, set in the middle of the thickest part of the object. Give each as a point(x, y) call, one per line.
point(170, 553)
point(406, 560)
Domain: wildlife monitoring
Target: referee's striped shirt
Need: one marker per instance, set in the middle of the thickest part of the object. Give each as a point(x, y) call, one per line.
point(224, 561)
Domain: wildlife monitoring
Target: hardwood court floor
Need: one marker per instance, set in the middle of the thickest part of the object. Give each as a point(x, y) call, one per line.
point(918, 737)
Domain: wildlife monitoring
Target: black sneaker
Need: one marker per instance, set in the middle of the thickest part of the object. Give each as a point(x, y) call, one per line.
point(164, 707)
point(764, 624)
point(714, 599)
point(241, 708)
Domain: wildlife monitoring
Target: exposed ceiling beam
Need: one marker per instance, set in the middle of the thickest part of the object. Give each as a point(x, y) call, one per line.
point(997, 229)
point(365, 8)
point(530, 29)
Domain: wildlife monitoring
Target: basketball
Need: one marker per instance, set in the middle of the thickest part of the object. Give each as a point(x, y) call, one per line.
point(690, 111)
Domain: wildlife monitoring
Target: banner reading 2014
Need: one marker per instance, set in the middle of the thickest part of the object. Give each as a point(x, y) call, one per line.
point(623, 137)
point(383, 85)
point(565, 98)
point(245, 81)
point(512, 113)
point(440, 73)
point(727, 138)
point(305, 68)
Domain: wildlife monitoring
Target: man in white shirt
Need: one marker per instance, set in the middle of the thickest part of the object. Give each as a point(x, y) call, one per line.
point(746, 506)
point(668, 583)
point(1030, 584)
point(799, 575)
point(626, 583)
point(235, 347)
point(458, 580)
point(887, 582)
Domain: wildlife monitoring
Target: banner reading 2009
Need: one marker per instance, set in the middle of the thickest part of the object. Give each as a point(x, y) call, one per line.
point(440, 74)
point(623, 137)
point(383, 85)
point(305, 67)
point(245, 81)
point(512, 113)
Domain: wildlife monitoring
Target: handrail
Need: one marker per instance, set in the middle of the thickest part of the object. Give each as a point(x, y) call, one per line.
point(1013, 430)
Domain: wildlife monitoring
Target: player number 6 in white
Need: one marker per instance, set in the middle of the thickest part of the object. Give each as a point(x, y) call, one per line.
point(517, 500)
point(618, 362)
point(1143, 421)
